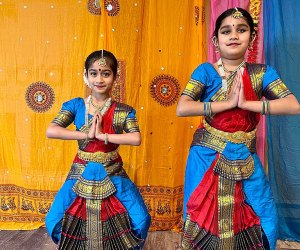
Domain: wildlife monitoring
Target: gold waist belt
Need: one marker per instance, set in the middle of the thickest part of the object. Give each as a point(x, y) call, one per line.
point(100, 157)
point(235, 137)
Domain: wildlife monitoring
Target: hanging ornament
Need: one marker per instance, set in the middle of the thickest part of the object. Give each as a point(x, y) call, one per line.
point(112, 7)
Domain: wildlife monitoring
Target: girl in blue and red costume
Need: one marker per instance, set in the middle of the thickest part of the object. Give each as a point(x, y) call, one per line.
point(98, 207)
point(227, 199)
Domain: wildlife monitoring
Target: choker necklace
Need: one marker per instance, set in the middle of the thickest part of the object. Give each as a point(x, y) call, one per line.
point(222, 70)
point(102, 108)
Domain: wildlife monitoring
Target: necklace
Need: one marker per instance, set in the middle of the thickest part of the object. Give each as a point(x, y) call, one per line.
point(102, 109)
point(222, 70)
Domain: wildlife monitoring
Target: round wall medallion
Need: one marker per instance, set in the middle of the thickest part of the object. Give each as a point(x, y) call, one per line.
point(165, 89)
point(94, 7)
point(112, 7)
point(39, 97)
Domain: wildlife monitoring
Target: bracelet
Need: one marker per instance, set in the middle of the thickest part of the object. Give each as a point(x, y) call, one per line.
point(265, 109)
point(207, 109)
point(86, 138)
point(268, 107)
point(106, 139)
point(262, 108)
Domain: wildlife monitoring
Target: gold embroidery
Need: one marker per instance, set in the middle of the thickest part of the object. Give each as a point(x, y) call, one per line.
point(115, 169)
point(236, 137)
point(94, 224)
point(75, 171)
point(236, 169)
point(275, 90)
point(203, 138)
point(121, 113)
point(99, 156)
point(119, 225)
point(194, 89)
point(94, 189)
point(131, 125)
point(225, 212)
point(64, 118)
point(195, 237)
point(256, 73)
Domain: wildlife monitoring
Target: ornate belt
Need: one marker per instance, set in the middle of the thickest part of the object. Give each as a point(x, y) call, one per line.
point(100, 157)
point(235, 137)
point(216, 139)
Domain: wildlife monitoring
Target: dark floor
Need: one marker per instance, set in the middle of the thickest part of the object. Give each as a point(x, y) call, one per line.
point(39, 240)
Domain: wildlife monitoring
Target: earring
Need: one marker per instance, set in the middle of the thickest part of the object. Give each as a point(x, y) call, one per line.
point(86, 80)
point(215, 43)
point(250, 47)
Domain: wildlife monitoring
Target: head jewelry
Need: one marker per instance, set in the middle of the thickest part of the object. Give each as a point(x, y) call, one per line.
point(237, 14)
point(102, 60)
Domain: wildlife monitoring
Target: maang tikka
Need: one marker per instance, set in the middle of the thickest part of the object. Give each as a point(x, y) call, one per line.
point(237, 14)
point(102, 60)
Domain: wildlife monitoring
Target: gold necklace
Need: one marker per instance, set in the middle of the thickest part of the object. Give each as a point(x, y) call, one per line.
point(102, 109)
point(94, 105)
point(238, 67)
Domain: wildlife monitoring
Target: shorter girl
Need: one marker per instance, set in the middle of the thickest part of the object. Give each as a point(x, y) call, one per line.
point(98, 207)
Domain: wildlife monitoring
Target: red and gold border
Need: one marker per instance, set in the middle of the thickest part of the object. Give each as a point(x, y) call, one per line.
point(27, 206)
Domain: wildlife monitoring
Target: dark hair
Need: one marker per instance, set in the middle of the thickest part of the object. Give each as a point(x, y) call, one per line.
point(109, 57)
point(229, 12)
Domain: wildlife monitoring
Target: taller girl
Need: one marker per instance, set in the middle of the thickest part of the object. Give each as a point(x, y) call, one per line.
point(228, 203)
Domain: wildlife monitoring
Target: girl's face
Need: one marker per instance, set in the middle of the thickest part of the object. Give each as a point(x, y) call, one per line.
point(101, 78)
point(233, 38)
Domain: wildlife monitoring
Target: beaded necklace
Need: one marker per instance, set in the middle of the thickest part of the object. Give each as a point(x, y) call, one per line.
point(222, 70)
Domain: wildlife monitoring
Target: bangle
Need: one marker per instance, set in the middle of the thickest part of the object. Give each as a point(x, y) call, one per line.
point(207, 109)
point(86, 138)
point(106, 139)
point(265, 108)
point(268, 107)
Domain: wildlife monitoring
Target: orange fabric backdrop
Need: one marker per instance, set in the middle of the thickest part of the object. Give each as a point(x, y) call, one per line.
point(43, 48)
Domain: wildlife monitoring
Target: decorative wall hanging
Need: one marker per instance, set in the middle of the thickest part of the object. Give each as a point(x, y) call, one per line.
point(39, 97)
point(112, 7)
point(165, 89)
point(94, 7)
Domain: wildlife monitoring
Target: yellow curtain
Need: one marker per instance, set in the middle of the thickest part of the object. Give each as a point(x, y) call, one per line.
point(43, 48)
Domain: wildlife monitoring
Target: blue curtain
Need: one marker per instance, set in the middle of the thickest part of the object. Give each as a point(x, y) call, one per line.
point(282, 51)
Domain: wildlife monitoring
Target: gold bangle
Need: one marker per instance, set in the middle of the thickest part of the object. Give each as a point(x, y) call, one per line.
point(263, 108)
point(106, 139)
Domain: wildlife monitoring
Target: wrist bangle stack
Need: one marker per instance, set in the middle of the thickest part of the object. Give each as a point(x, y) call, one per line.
point(106, 139)
point(207, 109)
point(265, 109)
